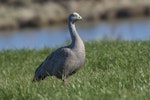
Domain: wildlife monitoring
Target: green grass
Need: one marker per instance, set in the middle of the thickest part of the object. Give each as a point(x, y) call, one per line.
point(112, 71)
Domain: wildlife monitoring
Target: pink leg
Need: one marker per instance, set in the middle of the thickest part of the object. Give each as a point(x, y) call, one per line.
point(65, 81)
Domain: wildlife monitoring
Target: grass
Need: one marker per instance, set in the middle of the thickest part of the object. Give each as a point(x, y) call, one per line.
point(114, 70)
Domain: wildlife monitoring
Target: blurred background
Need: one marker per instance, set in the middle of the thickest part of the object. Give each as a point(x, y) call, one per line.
point(43, 23)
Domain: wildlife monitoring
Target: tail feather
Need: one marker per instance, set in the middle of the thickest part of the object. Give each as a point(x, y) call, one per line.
point(39, 74)
point(38, 78)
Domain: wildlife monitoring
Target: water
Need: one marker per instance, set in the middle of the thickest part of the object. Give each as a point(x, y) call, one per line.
point(130, 30)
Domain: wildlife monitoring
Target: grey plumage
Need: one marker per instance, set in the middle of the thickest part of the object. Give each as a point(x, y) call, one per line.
point(64, 61)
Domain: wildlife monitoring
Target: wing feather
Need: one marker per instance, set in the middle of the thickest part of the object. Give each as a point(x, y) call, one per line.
point(53, 64)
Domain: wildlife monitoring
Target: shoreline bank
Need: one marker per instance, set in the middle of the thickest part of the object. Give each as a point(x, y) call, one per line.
point(25, 14)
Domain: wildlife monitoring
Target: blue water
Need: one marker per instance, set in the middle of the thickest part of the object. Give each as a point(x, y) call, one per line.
point(131, 30)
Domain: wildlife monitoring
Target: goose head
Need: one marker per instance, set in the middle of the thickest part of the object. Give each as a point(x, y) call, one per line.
point(74, 17)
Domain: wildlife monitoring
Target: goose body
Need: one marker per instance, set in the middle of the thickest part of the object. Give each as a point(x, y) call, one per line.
point(66, 60)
